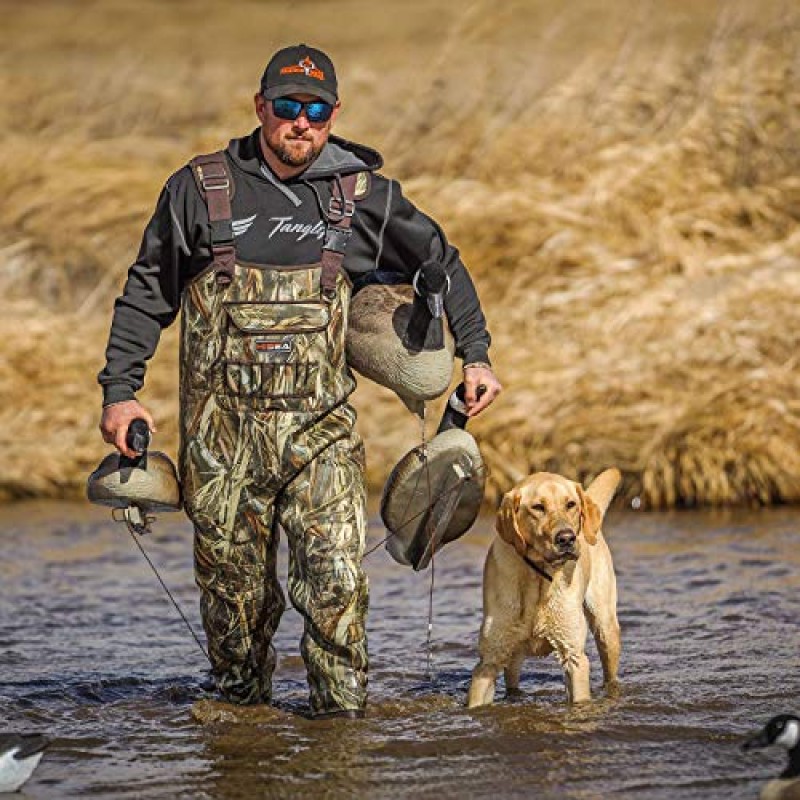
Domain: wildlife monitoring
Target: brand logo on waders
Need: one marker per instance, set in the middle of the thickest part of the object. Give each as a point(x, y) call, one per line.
point(279, 349)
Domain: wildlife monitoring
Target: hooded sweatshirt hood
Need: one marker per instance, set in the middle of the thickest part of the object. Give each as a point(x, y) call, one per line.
point(338, 157)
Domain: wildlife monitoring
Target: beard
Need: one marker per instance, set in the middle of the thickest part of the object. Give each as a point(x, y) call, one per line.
point(291, 155)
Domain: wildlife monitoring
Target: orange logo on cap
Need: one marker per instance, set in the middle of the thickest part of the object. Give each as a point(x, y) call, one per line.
point(307, 67)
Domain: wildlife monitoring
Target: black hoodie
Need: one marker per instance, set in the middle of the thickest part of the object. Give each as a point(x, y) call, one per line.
point(279, 222)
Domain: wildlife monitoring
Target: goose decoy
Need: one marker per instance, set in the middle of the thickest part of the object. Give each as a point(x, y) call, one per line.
point(397, 337)
point(434, 493)
point(783, 730)
point(394, 339)
point(20, 753)
point(136, 487)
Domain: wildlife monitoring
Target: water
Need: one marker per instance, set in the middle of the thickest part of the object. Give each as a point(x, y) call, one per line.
point(92, 653)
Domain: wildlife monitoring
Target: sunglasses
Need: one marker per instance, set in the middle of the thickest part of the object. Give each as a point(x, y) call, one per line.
point(316, 110)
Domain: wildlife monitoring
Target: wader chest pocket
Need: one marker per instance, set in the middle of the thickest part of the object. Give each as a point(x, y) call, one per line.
point(273, 350)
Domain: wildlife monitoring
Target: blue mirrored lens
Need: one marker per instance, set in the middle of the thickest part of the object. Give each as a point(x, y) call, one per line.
point(285, 108)
point(316, 110)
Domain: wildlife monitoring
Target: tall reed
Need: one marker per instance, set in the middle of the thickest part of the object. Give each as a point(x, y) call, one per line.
point(622, 184)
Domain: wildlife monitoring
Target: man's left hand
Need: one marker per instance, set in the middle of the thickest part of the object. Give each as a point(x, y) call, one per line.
point(477, 376)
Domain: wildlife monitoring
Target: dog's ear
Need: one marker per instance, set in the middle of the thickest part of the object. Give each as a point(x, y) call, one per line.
point(507, 525)
point(591, 516)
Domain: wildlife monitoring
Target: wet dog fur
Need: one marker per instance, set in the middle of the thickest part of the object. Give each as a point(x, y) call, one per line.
point(555, 523)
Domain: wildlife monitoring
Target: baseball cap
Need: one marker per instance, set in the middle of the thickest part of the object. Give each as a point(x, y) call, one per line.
point(300, 69)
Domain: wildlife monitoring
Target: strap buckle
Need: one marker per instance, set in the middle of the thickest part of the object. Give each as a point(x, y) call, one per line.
point(341, 208)
point(213, 183)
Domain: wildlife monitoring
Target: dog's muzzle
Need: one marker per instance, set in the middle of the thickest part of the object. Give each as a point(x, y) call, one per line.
point(565, 541)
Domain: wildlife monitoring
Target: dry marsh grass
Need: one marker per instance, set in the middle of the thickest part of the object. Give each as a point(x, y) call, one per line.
point(622, 181)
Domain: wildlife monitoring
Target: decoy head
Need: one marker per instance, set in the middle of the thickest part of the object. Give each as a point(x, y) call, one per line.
point(783, 729)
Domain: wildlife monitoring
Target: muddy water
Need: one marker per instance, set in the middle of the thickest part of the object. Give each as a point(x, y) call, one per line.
point(92, 653)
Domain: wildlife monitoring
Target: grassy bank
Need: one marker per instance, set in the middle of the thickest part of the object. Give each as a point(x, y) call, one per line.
point(623, 182)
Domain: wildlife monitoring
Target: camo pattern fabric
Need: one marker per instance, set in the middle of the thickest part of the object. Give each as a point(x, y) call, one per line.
point(268, 439)
point(266, 342)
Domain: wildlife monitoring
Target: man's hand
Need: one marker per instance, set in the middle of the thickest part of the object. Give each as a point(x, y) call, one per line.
point(116, 419)
point(475, 376)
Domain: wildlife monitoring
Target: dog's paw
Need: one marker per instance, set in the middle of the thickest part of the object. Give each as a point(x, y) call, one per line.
point(612, 689)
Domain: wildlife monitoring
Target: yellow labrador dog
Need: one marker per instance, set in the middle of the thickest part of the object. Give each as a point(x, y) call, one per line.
point(548, 578)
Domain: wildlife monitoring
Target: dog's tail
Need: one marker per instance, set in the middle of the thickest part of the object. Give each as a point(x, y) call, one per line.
point(603, 487)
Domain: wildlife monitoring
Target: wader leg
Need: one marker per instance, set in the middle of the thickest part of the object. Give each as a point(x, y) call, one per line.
point(323, 512)
point(241, 599)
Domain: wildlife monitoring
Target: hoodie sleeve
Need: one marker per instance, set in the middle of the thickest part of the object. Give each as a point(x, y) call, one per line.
point(409, 237)
point(151, 298)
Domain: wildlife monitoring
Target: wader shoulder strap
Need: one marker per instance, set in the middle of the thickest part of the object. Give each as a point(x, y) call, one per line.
point(216, 187)
point(338, 232)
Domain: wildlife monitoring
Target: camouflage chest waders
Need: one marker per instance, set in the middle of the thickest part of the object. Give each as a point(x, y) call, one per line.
point(268, 439)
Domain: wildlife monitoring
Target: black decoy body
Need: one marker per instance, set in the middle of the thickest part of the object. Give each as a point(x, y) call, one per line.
point(783, 730)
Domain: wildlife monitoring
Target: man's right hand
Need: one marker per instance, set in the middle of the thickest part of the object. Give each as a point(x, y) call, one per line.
point(116, 419)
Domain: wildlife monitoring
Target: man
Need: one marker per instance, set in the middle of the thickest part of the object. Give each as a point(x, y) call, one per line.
point(249, 247)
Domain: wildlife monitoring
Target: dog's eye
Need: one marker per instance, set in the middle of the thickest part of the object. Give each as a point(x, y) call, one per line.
point(538, 507)
point(571, 504)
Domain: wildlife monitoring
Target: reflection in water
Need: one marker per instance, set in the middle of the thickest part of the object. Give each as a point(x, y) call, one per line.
point(92, 653)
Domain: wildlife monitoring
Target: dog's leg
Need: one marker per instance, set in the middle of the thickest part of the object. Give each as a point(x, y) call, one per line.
point(600, 606)
point(512, 674)
point(481, 690)
point(576, 677)
point(607, 637)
